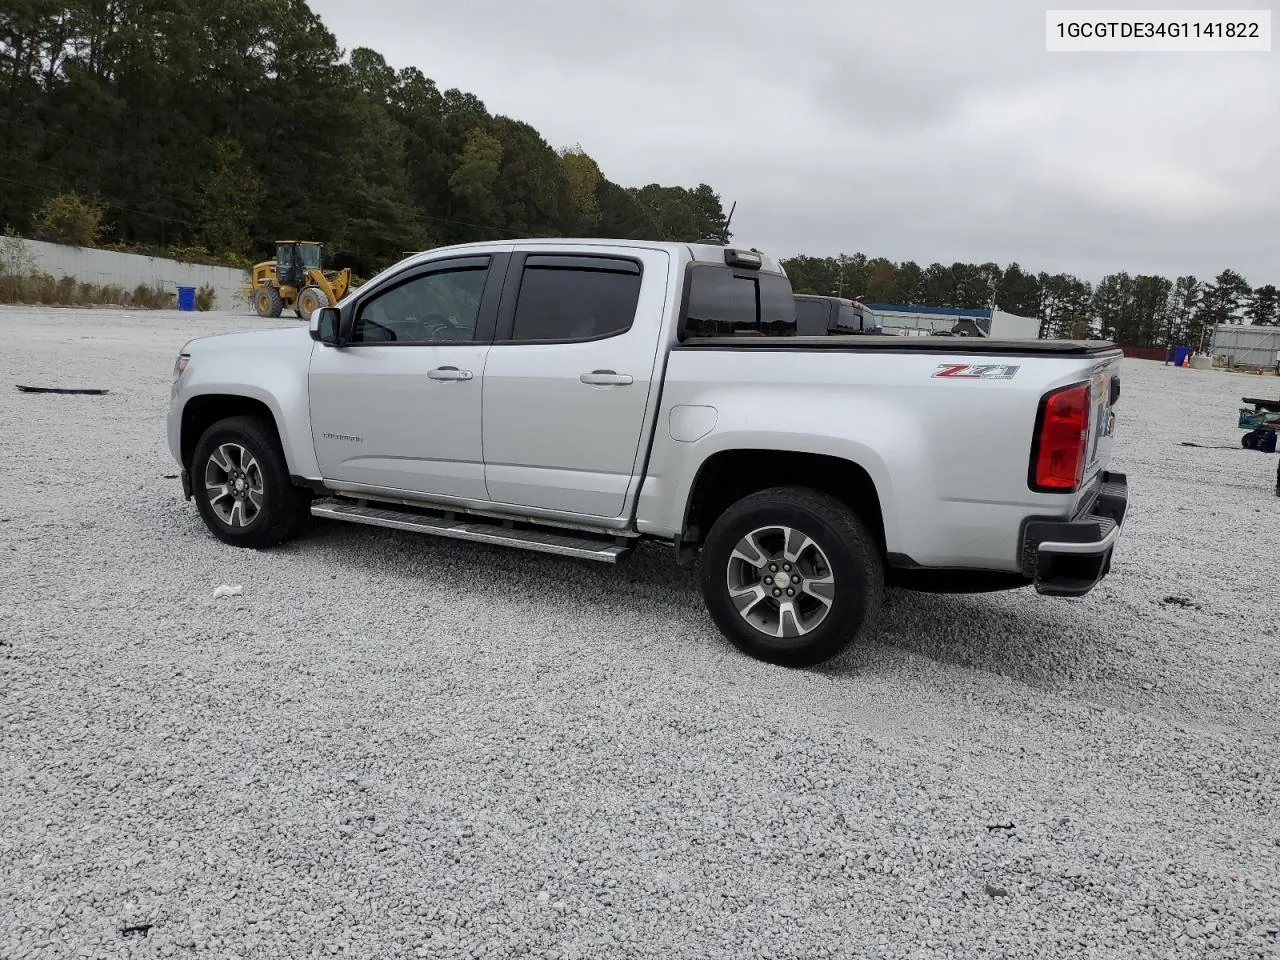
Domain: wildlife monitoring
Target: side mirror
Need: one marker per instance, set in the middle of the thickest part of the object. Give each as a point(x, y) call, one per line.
point(325, 324)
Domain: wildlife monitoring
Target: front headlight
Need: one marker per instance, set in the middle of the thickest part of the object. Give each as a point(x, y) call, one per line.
point(180, 365)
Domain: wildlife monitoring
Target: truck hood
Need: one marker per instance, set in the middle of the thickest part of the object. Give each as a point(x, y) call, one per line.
point(253, 341)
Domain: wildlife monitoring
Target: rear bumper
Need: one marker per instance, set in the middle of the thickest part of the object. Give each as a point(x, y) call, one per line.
point(1067, 558)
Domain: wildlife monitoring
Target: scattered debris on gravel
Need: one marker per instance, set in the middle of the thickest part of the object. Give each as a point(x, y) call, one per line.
point(397, 747)
point(92, 391)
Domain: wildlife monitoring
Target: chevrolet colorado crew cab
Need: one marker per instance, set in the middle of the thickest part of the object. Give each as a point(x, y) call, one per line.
point(578, 396)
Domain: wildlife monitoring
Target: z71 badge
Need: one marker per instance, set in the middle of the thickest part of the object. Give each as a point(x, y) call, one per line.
point(976, 371)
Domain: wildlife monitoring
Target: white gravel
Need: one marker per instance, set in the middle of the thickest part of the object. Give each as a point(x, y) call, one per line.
point(392, 746)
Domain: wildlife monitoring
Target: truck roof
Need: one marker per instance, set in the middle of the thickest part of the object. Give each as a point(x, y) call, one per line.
point(698, 252)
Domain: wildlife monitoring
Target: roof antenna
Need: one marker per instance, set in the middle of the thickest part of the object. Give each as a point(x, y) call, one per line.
point(728, 220)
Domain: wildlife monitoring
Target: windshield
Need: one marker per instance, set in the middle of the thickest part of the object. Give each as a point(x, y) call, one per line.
point(309, 256)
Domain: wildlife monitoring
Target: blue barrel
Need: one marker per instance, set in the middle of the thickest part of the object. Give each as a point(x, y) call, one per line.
point(186, 298)
point(1180, 355)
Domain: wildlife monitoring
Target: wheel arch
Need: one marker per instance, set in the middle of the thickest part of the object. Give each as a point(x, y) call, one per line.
point(727, 476)
point(204, 410)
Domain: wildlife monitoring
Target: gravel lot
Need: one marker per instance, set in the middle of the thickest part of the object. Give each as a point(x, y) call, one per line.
point(394, 746)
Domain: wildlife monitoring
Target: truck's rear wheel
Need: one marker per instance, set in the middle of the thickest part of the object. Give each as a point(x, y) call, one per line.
point(241, 485)
point(791, 575)
point(267, 302)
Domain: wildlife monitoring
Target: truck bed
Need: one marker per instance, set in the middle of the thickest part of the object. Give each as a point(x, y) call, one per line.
point(969, 346)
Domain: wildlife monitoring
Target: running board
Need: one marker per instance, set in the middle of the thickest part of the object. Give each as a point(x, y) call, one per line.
point(583, 546)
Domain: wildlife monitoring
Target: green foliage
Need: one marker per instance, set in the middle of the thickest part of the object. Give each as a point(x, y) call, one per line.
point(1222, 301)
point(68, 218)
point(1142, 310)
point(583, 177)
point(232, 125)
point(1065, 306)
point(15, 259)
point(206, 298)
point(196, 254)
point(185, 254)
point(151, 297)
point(1264, 306)
point(475, 179)
point(372, 76)
point(681, 214)
point(227, 198)
point(43, 289)
point(1018, 292)
point(235, 260)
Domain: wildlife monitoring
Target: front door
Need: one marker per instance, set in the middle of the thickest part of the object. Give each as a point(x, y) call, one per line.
point(568, 380)
point(288, 269)
point(398, 407)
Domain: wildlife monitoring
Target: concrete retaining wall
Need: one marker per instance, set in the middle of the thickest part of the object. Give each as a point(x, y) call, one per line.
point(107, 267)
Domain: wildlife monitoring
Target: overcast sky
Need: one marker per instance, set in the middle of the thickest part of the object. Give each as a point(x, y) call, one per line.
point(937, 130)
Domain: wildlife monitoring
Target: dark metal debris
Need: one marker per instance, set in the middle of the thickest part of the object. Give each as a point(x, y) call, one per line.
point(89, 390)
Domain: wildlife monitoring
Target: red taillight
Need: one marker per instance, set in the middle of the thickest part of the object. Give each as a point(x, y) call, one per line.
point(1062, 431)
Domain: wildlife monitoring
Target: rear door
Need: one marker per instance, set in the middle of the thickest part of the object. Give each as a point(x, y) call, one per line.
point(570, 377)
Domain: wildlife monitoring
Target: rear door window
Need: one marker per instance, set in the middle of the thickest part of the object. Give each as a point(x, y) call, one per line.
point(567, 298)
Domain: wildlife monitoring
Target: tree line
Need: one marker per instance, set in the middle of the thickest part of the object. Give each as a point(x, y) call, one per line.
point(228, 124)
point(216, 127)
point(1135, 310)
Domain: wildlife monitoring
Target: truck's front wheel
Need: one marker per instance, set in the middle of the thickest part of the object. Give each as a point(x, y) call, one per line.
point(791, 575)
point(241, 485)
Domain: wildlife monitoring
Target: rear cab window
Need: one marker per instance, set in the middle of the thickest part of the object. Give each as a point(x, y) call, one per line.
point(734, 302)
point(811, 318)
point(848, 318)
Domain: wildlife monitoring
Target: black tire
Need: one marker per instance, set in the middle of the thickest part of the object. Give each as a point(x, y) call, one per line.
point(267, 302)
point(284, 511)
point(856, 567)
point(309, 300)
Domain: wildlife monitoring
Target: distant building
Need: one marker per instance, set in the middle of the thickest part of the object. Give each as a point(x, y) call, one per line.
point(907, 321)
point(1245, 346)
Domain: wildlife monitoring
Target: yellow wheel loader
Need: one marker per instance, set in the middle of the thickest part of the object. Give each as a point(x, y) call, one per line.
point(295, 279)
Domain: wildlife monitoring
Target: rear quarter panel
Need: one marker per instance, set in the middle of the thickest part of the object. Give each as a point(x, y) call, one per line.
point(948, 456)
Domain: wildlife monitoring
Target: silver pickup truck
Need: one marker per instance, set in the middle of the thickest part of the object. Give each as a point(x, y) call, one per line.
point(578, 396)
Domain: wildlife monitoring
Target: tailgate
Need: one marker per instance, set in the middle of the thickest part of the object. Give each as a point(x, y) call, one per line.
point(1104, 392)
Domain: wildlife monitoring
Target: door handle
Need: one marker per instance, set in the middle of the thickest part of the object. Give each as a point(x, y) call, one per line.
point(607, 378)
point(449, 373)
